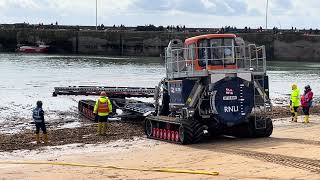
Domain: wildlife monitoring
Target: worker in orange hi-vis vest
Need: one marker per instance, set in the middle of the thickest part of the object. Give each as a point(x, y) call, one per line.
point(102, 109)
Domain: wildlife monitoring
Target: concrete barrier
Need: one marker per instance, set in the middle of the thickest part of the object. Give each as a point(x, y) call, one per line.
point(286, 46)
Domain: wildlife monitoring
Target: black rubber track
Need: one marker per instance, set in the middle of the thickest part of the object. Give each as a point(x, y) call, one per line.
point(147, 127)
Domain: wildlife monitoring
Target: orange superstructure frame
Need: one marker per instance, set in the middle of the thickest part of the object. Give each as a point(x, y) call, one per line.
point(195, 40)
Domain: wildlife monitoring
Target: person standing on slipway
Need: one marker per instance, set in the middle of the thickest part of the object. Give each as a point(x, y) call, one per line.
point(38, 117)
point(294, 102)
point(102, 109)
point(306, 102)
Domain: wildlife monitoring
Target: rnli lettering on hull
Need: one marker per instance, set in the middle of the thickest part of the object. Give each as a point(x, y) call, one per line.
point(231, 108)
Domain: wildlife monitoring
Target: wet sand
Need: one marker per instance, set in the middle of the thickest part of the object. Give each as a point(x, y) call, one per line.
point(292, 152)
point(85, 132)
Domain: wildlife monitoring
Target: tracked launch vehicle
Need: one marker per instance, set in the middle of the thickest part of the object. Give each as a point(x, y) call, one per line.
point(215, 84)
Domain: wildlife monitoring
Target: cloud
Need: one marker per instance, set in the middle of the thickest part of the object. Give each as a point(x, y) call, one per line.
point(282, 4)
point(254, 12)
point(64, 11)
point(205, 13)
point(158, 5)
point(209, 7)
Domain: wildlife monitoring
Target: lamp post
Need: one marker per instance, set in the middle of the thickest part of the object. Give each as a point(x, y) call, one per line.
point(267, 14)
point(96, 14)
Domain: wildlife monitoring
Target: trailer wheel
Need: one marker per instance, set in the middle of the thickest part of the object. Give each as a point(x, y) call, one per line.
point(148, 128)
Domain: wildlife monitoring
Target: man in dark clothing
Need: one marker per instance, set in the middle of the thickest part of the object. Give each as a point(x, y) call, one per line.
point(38, 117)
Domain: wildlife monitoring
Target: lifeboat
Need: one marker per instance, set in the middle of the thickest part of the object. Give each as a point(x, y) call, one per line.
point(34, 49)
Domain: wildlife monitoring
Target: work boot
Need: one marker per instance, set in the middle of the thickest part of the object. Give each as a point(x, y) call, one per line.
point(45, 138)
point(38, 138)
point(295, 119)
point(104, 128)
point(99, 128)
point(306, 119)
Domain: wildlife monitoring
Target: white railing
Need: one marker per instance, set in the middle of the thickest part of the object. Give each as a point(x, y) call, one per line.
point(181, 62)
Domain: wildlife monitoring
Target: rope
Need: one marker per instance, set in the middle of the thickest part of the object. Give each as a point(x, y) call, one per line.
point(214, 173)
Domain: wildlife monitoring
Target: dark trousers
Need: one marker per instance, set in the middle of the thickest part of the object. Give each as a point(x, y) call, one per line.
point(295, 109)
point(306, 110)
point(41, 126)
point(102, 118)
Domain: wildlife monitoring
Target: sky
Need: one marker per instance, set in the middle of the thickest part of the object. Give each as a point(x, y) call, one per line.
point(192, 13)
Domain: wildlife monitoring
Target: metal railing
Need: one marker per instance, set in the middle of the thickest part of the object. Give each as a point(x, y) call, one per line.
point(199, 61)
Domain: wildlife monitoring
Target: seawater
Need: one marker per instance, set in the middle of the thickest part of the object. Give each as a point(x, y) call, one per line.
point(25, 78)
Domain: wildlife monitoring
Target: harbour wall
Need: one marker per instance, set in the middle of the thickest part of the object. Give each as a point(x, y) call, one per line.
point(291, 46)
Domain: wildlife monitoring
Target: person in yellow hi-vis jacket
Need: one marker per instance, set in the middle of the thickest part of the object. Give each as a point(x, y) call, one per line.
point(294, 102)
point(102, 109)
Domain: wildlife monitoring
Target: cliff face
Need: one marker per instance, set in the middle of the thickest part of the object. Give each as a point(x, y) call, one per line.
point(286, 46)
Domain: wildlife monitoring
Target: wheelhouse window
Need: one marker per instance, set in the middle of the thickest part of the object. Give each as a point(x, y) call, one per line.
point(192, 51)
point(216, 51)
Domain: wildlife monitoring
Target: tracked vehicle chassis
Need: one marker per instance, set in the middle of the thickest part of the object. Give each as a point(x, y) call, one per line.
point(174, 130)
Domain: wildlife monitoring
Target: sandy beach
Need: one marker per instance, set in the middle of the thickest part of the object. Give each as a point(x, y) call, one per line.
point(290, 153)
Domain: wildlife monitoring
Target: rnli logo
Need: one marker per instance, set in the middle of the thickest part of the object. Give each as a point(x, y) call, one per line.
point(229, 91)
point(232, 109)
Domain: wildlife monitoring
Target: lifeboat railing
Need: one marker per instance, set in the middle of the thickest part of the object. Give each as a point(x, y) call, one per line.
point(202, 61)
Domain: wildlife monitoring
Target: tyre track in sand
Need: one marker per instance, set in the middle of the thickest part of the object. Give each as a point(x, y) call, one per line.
point(293, 140)
point(289, 161)
point(299, 141)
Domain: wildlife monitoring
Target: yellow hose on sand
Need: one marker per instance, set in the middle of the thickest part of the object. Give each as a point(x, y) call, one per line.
point(214, 173)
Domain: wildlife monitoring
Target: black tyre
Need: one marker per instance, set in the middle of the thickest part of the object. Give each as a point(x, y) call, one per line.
point(269, 128)
point(248, 130)
point(191, 131)
point(245, 130)
point(185, 134)
point(148, 127)
point(198, 131)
